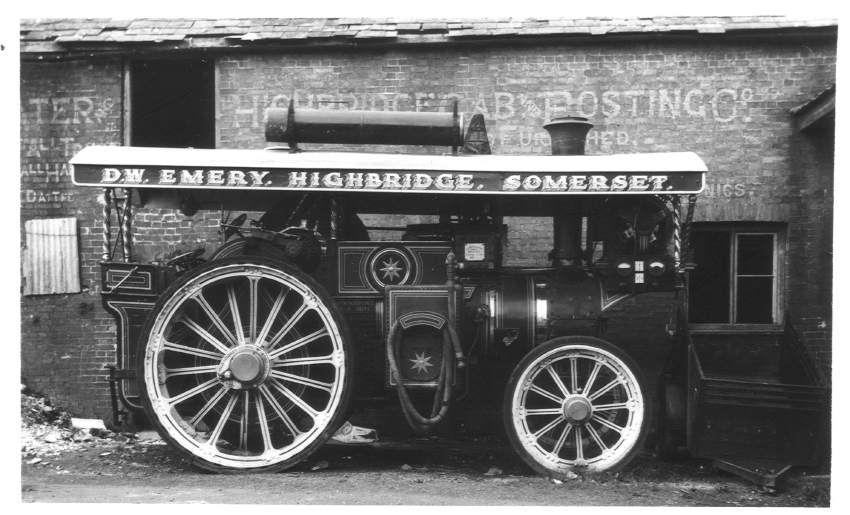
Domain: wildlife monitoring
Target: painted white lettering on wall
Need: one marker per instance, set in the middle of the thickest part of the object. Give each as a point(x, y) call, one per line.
point(45, 197)
point(718, 104)
point(56, 146)
point(77, 110)
point(54, 128)
point(727, 190)
point(50, 171)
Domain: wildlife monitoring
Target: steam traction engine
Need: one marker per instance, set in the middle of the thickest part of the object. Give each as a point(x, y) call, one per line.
point(247, 357)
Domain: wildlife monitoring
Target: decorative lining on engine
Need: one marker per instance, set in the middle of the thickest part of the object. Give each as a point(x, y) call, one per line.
point(366, 268)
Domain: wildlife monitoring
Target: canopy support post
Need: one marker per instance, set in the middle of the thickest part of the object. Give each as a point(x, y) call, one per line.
point(107, 222)
point(125, 227)
point(677, 234)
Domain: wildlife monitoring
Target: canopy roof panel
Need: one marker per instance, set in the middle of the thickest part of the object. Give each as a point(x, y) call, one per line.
point(139, 167)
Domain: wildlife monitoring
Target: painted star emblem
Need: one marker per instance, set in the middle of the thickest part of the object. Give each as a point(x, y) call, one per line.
point(421, 363)
point(391, 270)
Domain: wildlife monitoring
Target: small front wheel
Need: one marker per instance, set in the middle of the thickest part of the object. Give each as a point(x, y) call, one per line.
point(576, 404)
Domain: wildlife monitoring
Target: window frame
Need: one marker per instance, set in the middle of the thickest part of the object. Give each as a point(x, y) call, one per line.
point(779, 233)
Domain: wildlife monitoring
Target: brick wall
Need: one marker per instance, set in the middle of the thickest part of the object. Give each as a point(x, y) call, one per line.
point(809, 272)
point(66, 340)
point(728, 101)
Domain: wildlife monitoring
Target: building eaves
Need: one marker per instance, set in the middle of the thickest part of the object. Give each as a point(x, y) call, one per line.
point(817, 112)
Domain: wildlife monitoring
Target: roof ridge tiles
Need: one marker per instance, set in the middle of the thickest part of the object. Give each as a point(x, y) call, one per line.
point(66, 32)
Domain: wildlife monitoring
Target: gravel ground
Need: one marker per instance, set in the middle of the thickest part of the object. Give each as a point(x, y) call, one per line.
point(59, 464)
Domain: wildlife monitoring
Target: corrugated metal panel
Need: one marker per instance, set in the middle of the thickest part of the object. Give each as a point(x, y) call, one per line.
point(51, 262)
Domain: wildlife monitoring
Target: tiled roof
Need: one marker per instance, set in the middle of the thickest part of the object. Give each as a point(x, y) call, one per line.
point(61, 35)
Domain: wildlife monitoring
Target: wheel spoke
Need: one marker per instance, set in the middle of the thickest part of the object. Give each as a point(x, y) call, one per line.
point(548, 427)
point(243, 421)
point(318, 360)
point(300, 342)
point(254, 306)
point(194, 391)
point(543, 411)
point(592, 378)
point(306, 381)
point(579, 445)
point(288, 325)
point(602, 391)
point(275, 309)
point(287, 421)
point(557, 379)
point(549, 395)
point(562, 439)
point(234, 312)
point(574, 374)
point(200, 331)
point(608, 424)
point(219, 427)
point(611, 407)
point(298, 401)
point(208, 406)
point(201, 353)
point(596, 437)
point(204, 369)
point(213, 316)
point(264, 425)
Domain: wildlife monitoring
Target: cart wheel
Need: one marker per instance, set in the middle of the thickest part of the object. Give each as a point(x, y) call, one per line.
point(246, 365)
point(576, 404)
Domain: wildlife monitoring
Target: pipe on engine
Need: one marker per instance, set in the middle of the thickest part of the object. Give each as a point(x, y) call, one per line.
point(568, 136)
point(295, 126)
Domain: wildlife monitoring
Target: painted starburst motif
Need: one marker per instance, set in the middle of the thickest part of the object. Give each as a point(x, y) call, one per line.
point(421, 363)
point(391, 269)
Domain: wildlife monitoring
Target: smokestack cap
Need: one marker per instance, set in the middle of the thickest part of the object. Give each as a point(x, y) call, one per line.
point(568, 134)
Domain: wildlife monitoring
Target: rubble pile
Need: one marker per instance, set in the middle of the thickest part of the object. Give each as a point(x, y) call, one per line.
point(47, 430)
point(37, 410)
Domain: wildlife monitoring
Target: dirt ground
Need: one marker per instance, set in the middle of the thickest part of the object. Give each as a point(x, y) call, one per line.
point(415, 472)
point(62, 462)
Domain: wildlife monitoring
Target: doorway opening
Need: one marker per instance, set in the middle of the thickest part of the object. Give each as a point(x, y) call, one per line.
point(172, 103)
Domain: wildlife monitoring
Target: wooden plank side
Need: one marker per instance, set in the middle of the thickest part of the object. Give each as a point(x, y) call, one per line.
point(50, 262)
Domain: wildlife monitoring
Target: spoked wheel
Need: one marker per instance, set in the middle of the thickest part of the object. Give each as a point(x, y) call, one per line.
point(576, 404)
point(246, 365)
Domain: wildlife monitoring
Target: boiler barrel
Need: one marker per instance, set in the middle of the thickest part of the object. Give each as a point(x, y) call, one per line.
point(364, 127)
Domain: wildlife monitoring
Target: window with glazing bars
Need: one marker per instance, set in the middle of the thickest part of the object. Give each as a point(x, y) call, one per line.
point(737, 279)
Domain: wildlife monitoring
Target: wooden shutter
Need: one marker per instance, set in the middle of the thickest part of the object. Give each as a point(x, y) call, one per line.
point(51, 262)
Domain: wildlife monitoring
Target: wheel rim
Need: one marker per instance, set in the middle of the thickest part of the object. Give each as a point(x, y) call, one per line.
point(577, 406)
point(244, 366)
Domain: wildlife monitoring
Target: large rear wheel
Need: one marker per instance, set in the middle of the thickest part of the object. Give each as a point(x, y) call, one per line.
point(246, 365)
point(576, 404)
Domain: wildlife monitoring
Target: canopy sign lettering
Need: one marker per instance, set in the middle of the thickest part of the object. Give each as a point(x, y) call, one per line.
point(434, 174)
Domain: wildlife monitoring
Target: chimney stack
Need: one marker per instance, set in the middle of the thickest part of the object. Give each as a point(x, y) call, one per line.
point(568, 134)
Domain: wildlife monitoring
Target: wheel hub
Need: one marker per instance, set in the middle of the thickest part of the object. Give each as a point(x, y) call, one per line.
point(577, 409)
point(245, 366)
